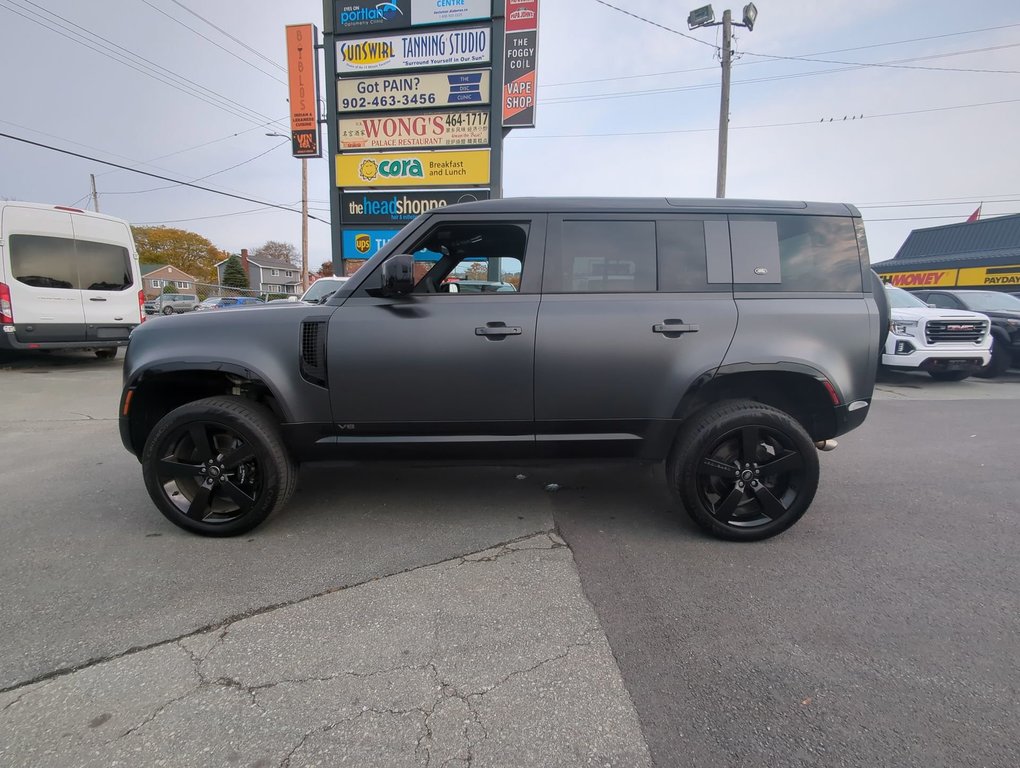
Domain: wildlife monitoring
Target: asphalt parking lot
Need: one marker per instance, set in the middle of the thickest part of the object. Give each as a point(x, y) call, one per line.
point(596, 626)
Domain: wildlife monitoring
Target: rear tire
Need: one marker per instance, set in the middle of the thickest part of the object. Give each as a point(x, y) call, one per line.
point(168, 310)
point(218, 466)
point(999, 363)
point(744, 471)
point(949, 375)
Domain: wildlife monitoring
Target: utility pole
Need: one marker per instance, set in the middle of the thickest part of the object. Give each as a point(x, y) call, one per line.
point(304, 224)
point(304, 217)
point(724, 105)
point(95, 195)
point(705, 17)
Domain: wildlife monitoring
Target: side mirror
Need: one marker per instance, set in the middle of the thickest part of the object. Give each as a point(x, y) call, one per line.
point(398, 275)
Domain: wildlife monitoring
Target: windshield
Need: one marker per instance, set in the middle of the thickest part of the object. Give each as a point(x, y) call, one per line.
point(990, 301)
point(320, 289)
point(901, 299)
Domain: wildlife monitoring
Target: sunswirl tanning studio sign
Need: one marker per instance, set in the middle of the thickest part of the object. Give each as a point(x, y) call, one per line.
point(415, 50)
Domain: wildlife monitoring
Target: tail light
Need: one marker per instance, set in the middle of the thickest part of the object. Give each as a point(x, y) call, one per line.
point(141, 306)
point(6, 311)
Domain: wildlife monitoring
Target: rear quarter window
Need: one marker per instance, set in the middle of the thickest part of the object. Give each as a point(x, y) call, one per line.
point(806, 254)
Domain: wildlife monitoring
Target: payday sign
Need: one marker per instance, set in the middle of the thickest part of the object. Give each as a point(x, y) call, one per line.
point(373, 94)
point(465, 46)
point(430, 129)
point(396, 208)
point(418, 169)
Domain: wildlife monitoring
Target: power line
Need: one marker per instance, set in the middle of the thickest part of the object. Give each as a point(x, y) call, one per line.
point(962, 199)
point(653, 23)
point(929, 218)
point(207, 176)
point(132, 60)
point(213, 42)
point(155, 175)
point(200, 218)
point(227, 34)
point(750, 81)
point(763, 125)
point(752, 63)
point(887, 65)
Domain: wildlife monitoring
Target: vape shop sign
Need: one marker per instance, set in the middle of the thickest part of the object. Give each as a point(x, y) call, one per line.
point(519, 62)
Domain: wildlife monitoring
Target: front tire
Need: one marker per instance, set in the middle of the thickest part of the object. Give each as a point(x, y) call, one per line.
point(999, 363)
point(218, 466)
point(744, 471)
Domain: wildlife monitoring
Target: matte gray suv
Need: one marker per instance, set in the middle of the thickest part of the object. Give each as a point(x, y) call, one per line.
point(729, 339)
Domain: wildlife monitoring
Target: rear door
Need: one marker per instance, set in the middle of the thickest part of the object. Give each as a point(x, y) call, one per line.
point(42, 275)
point(634, 310)
point(107, 271)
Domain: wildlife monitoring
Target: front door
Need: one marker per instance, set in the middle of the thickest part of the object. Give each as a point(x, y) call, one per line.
point(441, 367)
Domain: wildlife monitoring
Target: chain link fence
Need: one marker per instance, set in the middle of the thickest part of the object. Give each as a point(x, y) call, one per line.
point(208, 290)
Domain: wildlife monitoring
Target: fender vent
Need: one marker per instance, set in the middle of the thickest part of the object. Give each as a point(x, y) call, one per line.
point(313, 352)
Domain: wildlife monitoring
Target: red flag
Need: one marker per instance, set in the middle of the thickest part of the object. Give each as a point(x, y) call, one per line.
point(976, 215)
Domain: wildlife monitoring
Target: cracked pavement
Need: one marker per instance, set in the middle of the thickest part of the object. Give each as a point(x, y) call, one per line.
point(492, 659)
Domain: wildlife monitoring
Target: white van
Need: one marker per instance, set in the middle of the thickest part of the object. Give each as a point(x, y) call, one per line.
point(68, 279)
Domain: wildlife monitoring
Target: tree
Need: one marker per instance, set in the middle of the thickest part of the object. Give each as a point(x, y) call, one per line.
point(273, 249)
point(233, 273)
point(325, 269)
point(169, 287)
point(188, 251)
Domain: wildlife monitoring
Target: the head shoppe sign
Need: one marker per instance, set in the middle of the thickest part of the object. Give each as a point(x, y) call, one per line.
point(397, 207)
point(462, 88)
point(414, 169)
point(353, 16)
point(464, 46)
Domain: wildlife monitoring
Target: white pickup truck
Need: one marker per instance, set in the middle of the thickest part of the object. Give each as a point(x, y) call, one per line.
point(949, 344)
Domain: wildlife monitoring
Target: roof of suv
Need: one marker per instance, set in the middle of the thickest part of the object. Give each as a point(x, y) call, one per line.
point(663, 204)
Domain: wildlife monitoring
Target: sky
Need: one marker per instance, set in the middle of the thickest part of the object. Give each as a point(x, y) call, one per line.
point(906, 109)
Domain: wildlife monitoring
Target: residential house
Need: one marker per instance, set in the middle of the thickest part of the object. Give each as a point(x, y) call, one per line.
point(155, 277)
point(267, 275)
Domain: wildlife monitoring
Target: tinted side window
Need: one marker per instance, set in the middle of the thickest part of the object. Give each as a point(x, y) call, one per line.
point(44, 262)
point(810, 253)
point(103, 267)
point(684, 249)
point(604, 257)
point(943, 301)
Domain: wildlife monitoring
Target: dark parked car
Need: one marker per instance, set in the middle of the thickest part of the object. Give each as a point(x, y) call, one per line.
point(1002, 309)
point(227, 302)
point(729, 339)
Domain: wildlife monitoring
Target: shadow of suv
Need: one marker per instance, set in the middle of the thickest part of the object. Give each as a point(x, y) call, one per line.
point(729, 339)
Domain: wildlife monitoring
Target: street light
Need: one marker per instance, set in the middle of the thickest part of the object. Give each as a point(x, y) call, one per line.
point(304, 217)
point(705, 17)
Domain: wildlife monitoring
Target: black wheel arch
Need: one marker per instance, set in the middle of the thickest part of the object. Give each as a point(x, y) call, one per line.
point(796, 389)
point(156, 392)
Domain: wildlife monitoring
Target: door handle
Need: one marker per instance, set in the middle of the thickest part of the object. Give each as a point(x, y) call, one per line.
point(96, 298)
point(499, 330)
point(674, 326)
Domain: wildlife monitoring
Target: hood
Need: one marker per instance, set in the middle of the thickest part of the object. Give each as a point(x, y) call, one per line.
point(934, 313)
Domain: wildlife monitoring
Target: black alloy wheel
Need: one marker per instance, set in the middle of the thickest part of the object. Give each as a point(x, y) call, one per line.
point(217, 466)
point(744, 471)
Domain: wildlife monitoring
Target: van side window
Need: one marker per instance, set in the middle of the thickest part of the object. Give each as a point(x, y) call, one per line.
point(795, 253)
point(604, 257)
point(44, 262)
point(103, 267)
